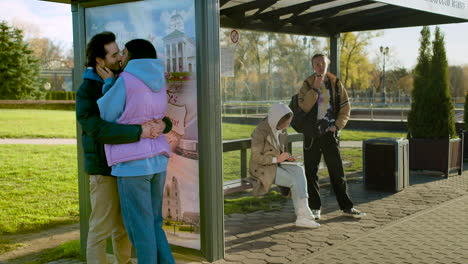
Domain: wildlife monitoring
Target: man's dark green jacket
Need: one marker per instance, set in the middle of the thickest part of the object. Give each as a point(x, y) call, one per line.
point(95, 131)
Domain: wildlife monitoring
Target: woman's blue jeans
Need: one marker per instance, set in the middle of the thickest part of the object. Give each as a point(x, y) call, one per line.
point(141, 201)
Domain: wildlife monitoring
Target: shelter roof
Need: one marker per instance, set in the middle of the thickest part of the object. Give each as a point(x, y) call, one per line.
point(325, 17)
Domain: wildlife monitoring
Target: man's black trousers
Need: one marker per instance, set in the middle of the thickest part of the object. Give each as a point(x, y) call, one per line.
point(328, 146)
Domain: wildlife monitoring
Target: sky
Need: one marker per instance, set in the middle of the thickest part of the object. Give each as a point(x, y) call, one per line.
point(54, 21)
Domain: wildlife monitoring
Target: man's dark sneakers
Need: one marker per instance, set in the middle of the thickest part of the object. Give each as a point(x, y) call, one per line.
point(316, 214)
point(353, 212)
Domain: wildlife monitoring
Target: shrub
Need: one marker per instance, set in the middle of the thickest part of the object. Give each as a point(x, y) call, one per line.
point(37, 104)
point(60, 95)
point(186, 228)
point(432, 112)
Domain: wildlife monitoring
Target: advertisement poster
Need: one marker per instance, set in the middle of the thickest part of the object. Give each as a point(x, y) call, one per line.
point(170, 26)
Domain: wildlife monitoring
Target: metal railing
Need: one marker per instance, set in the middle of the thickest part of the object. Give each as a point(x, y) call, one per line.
point(246, 108)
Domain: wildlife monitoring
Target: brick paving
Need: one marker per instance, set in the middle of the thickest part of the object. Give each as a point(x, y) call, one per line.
point(424, 216)
point(436, 235)
point(425, 223)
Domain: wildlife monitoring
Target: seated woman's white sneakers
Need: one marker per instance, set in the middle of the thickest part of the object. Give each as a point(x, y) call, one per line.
point(305, 218)
point(305, 222)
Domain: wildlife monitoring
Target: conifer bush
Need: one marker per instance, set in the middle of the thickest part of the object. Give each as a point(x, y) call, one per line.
point(432, 111)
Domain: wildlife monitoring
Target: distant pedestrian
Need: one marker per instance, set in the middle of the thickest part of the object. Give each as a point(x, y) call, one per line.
point(326, 101)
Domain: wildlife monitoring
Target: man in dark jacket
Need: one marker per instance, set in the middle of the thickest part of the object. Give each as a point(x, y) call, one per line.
point(105, 219)
point(325, 99)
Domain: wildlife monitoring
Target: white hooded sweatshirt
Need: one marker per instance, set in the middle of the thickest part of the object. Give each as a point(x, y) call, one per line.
point(277, 111)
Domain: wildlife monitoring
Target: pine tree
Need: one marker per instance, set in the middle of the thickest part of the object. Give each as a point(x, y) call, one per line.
point(19, 71)
point(442, 110)
point(418, 117)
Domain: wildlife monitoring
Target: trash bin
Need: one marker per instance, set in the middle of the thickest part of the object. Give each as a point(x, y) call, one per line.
point(386, 164)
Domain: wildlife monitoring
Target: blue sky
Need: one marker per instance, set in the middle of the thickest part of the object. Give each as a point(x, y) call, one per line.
point(54, 21)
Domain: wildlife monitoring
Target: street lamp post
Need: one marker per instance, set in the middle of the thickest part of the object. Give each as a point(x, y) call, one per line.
point(384, 51)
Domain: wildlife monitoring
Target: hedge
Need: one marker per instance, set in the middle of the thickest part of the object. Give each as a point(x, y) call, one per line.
point(38, 104)
point(60, 95)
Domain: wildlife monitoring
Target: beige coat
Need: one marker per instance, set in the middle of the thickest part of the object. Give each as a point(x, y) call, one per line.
point(265, 147)
point(308, 98)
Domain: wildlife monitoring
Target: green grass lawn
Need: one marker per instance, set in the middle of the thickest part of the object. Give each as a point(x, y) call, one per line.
point(356, 135)
point(270, 202)
point(22, 123)
point(70, 249)
point(38, 187)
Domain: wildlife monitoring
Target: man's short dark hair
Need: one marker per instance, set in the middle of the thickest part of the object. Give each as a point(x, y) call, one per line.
point(95, 48)
point(140, 49)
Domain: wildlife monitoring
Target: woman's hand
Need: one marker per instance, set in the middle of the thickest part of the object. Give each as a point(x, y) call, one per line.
point(158, 128)
point(282, 157)
point(104, 72)
point(153, 128)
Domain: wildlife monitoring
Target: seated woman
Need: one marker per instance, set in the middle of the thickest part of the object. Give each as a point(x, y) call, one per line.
point(269, 141)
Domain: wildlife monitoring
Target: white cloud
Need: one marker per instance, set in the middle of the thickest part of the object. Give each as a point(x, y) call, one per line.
point(51, 20)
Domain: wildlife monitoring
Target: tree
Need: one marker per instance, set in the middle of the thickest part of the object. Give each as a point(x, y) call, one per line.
point(267, 65)
point(292, 64)
point(432, 112)
point(355, 67)
point(19, 71)
point(418, 118)
point(442, 110)
point(395, 81)
point(48, 52)
point(457, 86)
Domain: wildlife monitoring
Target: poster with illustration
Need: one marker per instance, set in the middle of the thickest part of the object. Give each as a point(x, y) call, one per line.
point(170, 26)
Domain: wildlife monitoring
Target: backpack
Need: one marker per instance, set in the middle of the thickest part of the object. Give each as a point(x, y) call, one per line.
point(299, 116)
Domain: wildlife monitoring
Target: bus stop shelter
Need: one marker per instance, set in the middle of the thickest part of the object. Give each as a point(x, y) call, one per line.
point(199, 56)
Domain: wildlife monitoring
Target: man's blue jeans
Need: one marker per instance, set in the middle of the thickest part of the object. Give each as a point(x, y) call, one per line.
point(141, 202)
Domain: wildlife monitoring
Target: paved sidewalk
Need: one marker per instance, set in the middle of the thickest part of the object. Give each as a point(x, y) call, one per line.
point(436, 235)
point(425, 216)
point(425, 223)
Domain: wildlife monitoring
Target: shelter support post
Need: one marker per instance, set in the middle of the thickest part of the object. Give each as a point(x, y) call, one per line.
point(335, 54)
point(209, 129)
point(79, 45)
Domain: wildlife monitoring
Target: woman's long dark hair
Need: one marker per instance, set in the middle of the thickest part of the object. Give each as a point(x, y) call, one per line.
point(140, 49)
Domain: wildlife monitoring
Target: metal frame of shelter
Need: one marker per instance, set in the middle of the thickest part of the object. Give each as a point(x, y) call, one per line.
point(307, 17)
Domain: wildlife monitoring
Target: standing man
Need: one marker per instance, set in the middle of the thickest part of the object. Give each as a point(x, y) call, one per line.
point(325, 100)
point(105, 219)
